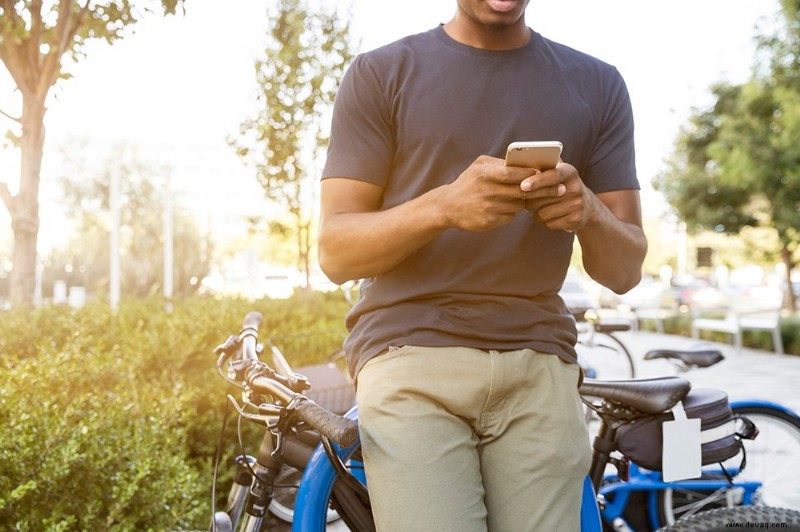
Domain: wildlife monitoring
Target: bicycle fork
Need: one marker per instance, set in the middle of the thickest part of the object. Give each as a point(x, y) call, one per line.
point(251, 492)
point(240, 488)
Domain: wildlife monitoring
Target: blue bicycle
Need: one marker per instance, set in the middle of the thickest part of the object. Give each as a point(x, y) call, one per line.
point(607, 497)
point(304, 437)
point(294, 426)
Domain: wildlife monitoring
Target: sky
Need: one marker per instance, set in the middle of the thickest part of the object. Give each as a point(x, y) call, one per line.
point(178, 87)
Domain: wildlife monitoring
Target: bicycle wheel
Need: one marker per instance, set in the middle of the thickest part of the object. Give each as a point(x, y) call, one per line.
point(773, 459)
point(723, 519)
point(604, 356)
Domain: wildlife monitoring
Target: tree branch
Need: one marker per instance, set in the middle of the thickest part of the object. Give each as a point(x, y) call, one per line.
point(76, 26)
point(8, 7)
point(8, 199)
point(49, 67)
point(35, 39)
point(66, 28)
point(12, 52)
point(10, 117)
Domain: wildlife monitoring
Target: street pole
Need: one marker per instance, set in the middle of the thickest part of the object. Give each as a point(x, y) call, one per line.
point(168, 246)
point(682, 252)
point(114, 267)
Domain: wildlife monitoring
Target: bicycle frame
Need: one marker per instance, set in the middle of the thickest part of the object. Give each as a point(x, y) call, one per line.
point(316, 486)
point(282, 443)
point(651, 482)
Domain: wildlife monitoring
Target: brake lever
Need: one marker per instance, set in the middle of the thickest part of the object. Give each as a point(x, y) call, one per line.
point(297, 383)
point(284, 373)
point(228, 346)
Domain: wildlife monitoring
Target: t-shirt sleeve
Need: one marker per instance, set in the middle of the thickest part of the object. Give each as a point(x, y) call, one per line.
point(361, 144)
point(612, 164)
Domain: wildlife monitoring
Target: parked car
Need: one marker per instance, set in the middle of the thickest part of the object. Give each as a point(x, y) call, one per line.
point(649, 293)
point(577, 299)
point(696, 292)
point(795, 292)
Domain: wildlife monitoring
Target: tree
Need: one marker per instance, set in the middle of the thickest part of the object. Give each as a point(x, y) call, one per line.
point(781, 47)
point(737, 164)
point(37, 37)
point(304, 60)
point(84, 258)
point(693, 183)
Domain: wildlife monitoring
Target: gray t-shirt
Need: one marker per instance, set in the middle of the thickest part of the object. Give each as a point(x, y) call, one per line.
point(411, 116)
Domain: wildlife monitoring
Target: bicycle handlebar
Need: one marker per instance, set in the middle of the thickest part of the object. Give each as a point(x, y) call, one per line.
point(249, 335)
point(253, 320)
point(263, 380)
point(336, 428)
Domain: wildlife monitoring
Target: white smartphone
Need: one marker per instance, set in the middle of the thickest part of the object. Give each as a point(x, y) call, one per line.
point(542, 155)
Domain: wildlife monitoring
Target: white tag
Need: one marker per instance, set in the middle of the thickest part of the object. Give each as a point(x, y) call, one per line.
point(682, 453)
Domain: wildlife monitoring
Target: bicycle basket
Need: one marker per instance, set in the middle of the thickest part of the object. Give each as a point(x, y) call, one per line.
point(330, 387)
point(641, 439)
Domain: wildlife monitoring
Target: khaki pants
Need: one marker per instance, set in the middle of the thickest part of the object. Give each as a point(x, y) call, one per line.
point(459, 439)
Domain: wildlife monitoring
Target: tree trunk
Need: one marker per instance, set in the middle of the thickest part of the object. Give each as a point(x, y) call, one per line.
point(307, 253)
point(303, 250)
point(24, 208)
point(789, 295)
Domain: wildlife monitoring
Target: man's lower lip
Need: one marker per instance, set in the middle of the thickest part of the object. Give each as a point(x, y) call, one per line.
point(502, 5)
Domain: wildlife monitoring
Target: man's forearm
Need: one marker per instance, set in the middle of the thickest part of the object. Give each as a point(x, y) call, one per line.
point(356, 245)
point(613, 250)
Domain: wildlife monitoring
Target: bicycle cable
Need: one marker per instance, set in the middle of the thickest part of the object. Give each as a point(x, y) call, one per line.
point(247, 462)
point(217, 460)
point(241, 445)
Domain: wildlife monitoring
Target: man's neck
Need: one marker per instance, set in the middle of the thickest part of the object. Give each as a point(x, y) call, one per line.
point(473, 34)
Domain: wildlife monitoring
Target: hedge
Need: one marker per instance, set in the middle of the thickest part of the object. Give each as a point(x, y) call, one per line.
point(111, 419)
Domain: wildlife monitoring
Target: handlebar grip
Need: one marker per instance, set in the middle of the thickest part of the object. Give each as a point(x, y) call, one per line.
point(252, 320)
point(340, 429)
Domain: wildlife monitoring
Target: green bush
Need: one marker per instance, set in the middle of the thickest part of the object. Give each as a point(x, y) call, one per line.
point(790, 332)
point(679, 323)
point(111, 420)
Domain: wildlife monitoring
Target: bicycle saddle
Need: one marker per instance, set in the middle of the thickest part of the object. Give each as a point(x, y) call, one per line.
point(649, 396)
point(701, 358)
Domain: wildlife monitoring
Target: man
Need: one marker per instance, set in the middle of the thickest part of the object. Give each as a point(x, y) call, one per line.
point(462, 350)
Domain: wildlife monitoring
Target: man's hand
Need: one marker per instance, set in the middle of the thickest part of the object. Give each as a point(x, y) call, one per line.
point(559, 199)
point(486, 195)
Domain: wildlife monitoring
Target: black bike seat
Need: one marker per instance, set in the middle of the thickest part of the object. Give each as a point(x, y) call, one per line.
point(701, 358)
point(649, 396)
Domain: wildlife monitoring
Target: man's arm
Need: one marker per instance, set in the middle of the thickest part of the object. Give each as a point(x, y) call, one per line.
point(608, 224)
point(358, 239)
point(613, 241)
